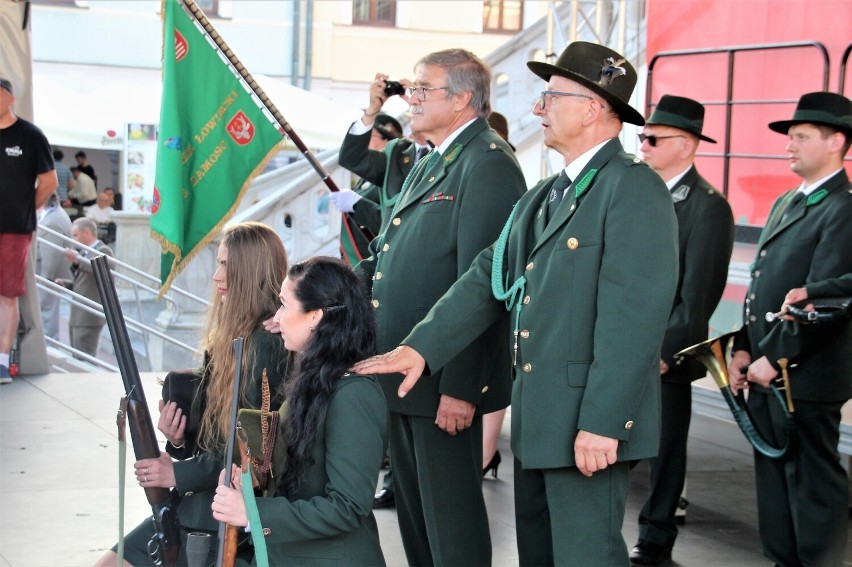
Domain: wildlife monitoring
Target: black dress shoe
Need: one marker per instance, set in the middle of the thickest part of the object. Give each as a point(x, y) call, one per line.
point(647, 553)
point(384, 499)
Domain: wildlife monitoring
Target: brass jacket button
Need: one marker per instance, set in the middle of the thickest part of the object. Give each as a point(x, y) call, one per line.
point(375, 303)
point(397, 221)
point(527, 367)
point(628, 425)
point(525, 334)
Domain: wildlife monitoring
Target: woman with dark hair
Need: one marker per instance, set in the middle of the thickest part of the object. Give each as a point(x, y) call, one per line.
point(334, 428)
point(251, 264)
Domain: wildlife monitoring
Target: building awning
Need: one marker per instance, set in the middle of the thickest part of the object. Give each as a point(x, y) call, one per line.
point(87, 106)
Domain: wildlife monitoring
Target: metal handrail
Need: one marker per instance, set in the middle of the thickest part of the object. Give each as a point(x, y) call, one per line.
point(82, 302)
point(124, 266)
point(94, 307)
point(844, 59)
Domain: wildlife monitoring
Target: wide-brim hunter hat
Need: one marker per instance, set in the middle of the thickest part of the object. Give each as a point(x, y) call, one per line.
point(819, 108)
point(388, 126)
point(599, 69)
point(681, 113)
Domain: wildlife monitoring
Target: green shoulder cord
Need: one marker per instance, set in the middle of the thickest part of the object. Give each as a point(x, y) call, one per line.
point(261, 556)
point(513, 297)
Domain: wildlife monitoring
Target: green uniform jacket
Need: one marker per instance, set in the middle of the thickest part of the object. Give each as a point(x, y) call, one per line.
point(705, 228)
point(438, 227)
point(197, 475)
point(812, 244)
point(385, 171)
point(600, 279)
point(331, 521)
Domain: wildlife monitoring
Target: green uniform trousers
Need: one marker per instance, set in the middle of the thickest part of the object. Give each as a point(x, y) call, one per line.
point(565, 518)
point(436, 475)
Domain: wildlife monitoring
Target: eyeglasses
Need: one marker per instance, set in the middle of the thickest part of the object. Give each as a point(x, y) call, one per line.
point(544, 94)
point(652, 140)
point(421, 91)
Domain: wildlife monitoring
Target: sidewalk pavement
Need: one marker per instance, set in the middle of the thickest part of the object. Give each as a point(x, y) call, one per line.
point(59, 471)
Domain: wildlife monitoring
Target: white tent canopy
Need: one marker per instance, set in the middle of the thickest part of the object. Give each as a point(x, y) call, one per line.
point(87, 106)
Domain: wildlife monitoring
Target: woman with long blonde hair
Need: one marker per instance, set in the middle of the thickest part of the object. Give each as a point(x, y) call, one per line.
point(251, 265)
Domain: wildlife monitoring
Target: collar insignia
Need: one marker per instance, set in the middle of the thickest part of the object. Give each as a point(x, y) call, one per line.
point(452, 153)
point(680, 194)
point(584, 183)
point(816, 197)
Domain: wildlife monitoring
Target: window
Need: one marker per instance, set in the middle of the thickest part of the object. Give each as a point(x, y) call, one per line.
point(502, 15)
point(374, 12)
point(215, 8)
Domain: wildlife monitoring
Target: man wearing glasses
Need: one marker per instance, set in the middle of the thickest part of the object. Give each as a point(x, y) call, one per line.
point(451, 206)
point(705, 240)
point(588, 270)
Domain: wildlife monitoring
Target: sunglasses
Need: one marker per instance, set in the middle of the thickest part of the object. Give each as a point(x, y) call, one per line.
point(652, 140)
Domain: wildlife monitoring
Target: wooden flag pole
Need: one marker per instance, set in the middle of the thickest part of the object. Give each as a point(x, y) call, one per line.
point(265, 103)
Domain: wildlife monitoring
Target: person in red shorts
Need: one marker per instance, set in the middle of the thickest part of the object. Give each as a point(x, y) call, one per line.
point(28, 180)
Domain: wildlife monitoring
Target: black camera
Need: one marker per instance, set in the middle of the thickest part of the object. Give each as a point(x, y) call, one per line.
point(394, 88)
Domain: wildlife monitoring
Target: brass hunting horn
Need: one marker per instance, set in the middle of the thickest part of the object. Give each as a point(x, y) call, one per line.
point(711, 353)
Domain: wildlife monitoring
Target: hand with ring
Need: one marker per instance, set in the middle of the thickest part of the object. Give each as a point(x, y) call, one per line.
point(159, 472)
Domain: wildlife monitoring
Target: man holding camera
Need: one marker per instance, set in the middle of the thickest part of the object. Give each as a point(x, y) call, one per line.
point(451, 206)
point(361, 206)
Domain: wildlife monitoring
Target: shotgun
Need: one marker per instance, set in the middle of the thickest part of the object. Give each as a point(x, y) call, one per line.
point(165, 543)
point(226, 554)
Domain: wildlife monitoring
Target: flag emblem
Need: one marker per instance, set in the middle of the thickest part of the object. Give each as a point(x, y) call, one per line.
point(155, 201)
point(240, 128)
point(181, 46)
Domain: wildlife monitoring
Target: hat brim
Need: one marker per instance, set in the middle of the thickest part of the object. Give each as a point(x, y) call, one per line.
point(626, 112)
point(693, 132)
point(783, 126)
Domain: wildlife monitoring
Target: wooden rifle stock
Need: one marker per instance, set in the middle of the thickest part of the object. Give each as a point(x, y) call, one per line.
point(228, 534)
point(165, 544)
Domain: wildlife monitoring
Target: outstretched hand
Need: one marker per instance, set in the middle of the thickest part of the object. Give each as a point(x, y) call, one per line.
point(402, 359)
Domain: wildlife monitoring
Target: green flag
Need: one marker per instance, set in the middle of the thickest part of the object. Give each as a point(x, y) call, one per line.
point(213, 140)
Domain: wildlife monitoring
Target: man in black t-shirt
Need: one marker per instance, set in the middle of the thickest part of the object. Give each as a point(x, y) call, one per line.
point(28, 180)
